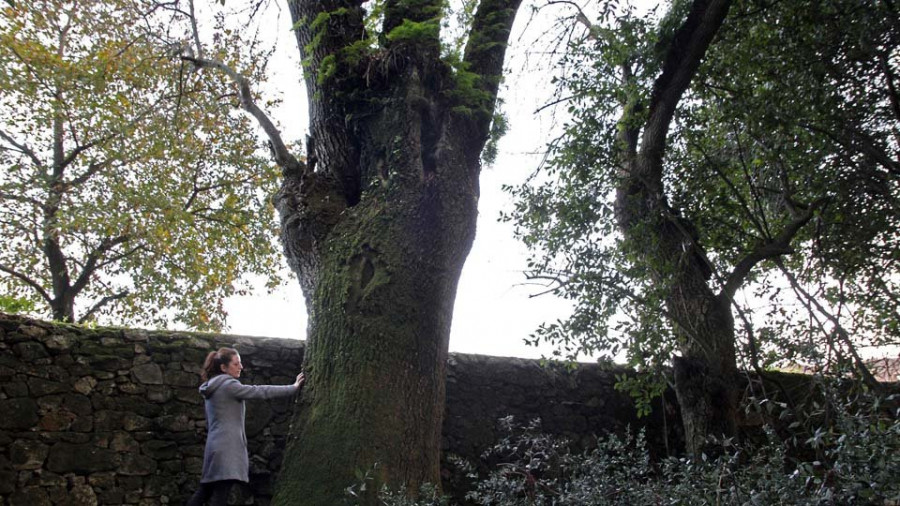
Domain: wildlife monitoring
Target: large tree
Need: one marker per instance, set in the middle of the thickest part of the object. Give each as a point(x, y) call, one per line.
point(129, 186)
point(702, 148)
point(376, 222)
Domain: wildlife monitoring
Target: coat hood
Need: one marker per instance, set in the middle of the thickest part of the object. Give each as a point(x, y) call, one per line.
point(209, 387)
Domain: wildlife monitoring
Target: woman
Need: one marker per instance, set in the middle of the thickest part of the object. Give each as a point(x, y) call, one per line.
point(225, 460)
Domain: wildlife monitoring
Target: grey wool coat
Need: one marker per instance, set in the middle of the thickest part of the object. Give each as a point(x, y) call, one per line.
point(225, 456)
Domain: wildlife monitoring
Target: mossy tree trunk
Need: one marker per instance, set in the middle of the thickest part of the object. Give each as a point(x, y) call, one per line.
point(377, 225)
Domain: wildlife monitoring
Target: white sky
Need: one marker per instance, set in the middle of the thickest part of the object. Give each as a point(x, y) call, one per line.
point(494, 309)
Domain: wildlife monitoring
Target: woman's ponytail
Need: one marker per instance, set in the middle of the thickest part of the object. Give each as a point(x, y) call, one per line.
point(212, 366)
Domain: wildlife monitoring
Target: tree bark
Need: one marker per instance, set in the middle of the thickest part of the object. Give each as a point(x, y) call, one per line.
point(63, 303)
point(705, 372)
point(377, 225)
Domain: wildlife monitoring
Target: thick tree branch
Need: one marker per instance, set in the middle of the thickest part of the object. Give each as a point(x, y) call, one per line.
point(68, 159)
point(27, 280)
point(628, 133)
point(397, 11)
point(486, 46)
point(774, 248)
point(324, 29)
point(891, 85)
point(90, 266)
point(685, 53)
point(56, 259)
point(484, 55)
point(102, 302)
point(283, 156)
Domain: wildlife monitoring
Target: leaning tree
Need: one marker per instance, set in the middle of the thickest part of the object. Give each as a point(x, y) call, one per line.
point(376, 222)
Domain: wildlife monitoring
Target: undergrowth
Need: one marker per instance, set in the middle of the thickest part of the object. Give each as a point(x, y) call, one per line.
point(852, 459)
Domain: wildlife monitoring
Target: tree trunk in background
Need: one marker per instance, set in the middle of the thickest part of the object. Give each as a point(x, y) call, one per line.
point(706, 372)
point(668, 245)
point(377, 225)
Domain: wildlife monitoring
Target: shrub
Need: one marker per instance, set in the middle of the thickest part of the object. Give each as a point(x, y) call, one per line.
point(857, 462)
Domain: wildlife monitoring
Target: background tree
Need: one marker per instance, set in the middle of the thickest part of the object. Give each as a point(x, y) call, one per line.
point(129, 186)
point(666, 206)
point(377, 223)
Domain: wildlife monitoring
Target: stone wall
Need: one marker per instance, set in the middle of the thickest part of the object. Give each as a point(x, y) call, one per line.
point(112, 416)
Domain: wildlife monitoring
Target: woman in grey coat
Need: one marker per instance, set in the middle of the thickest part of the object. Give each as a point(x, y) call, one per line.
point(225, 460)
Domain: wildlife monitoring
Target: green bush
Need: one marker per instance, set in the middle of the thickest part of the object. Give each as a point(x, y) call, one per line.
point(856, 462)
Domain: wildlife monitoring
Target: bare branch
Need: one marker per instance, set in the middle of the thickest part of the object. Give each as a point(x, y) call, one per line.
point(780, 245)
point(287, 161)
point(198, 47)
point(622, 292)
point(125, 254)
point(18, 197)
point(737, 194)
point(22, 148)
point(757, 198)
point(90, 266)
point(863, 144)
point(580, 16)
point(92, 169)
point(197, 190)
point(102, 302)
point(838, 328)
point(27, 280)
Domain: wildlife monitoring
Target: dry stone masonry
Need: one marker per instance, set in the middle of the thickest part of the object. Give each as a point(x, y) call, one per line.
point(112, 416)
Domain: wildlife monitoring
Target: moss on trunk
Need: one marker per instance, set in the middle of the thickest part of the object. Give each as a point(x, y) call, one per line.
point(379, 324)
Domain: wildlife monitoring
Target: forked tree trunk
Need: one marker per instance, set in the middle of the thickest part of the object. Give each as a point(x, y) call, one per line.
point(705, 371)
point(377, 225)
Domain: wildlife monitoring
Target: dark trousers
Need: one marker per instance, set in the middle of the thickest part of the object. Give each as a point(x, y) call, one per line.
point(216, 492)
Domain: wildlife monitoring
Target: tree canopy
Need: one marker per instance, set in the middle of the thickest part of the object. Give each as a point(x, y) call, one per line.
point(131, 187)
point(762, 193)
